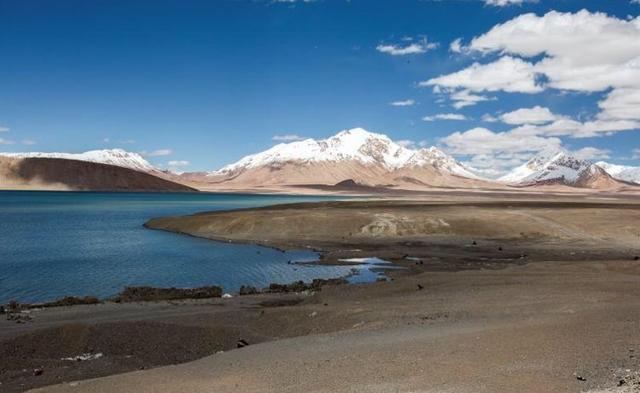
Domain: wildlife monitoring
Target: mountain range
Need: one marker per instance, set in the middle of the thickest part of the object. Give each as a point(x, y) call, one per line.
point(358, 157)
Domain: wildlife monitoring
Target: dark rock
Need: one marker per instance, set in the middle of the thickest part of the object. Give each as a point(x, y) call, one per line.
point(300, 286)
point(138, 294)
point(474, 243)
point(242, 343)
point(71, 301)
point(581, 378)
point(499, 248)
point(420, 287)
point(622, 382)
point(2, 310)
point(636, 258)
point(248, 290)
point(13, 306)
point(281, 302)
point(37, 372)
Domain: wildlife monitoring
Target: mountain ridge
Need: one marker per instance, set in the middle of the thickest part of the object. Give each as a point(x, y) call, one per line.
point(560, 167)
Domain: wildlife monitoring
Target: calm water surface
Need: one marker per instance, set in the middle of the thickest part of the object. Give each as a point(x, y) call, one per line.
point(54, 244)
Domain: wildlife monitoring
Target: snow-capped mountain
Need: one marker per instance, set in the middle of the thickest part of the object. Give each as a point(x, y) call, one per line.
point(558, 166)
point(621, 172)
point(117, 157)
point(356, 145)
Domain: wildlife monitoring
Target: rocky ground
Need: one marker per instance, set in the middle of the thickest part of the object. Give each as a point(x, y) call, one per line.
point(557, 310)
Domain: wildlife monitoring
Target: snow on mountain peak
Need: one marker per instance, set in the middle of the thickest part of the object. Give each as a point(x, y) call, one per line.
point(550, 165)
point(117, 157)
point(621, 172)
point(355, 144)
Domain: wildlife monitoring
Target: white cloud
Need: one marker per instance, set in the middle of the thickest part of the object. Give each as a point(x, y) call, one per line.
point(403, 103)
point(445, 116)
point(156, 153)
point(464, 98)
point(28, 142)
point(577, 129)
point(480, 140)
point(5, 142)
point(287, 138)
point(636, 152)
point(494, 166)
point(493, 154)
point(504, 3)
point(409, 144)
point(508, 74)
point(178, 163)
point(489, 118)
point(580, 52)
point(535, 115)
point(621, 103)
point(414, 48)
point(592, 153)
point(583, 52)
point(456, 46)
point(4, 129)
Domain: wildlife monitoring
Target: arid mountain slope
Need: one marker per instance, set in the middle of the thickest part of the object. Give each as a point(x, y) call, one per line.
point(357, 155)
point(64, 174)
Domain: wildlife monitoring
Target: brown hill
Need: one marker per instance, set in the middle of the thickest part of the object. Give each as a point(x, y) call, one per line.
point(295, 174)
point(62, 174)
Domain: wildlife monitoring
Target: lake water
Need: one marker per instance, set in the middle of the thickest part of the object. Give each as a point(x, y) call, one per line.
point(54, 244)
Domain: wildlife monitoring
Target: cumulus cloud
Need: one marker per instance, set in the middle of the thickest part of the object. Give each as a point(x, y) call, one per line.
point(456, 46)
point(578, 129)
point(5, 142)
point(592, 153)
point(403, 103)
point(504, 3)
point(580, 52)
point(28, 142)
point(413, 48)
point(535, 115)
point(178, 163)
point(489, 118)
point(156, 153)
point(287, 138)
point(493, 154)
point(494, 166)
point(481, 140)
point(445, 116)
point(4, 129)
point(583, 52)
point(409, 144)
point(464, 98)
point(509, 74)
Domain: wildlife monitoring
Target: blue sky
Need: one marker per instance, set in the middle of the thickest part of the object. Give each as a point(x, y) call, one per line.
point(211, 81)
